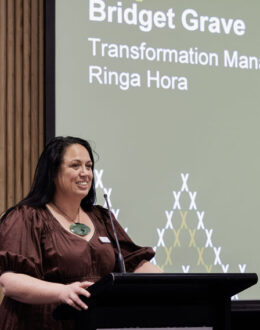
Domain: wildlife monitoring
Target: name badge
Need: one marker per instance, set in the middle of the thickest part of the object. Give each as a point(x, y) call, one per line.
point(104, 239)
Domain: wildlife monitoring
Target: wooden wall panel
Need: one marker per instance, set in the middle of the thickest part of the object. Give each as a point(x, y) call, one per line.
point(35, 83)
point(21, 96)
point(18, 99)
point(26, 96)
point(41, 115)
point(10, 102)
point(3, 109)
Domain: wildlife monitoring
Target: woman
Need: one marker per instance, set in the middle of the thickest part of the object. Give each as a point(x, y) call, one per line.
point(56, 243)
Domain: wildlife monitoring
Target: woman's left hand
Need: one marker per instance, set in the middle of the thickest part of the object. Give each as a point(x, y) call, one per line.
point(69, 294)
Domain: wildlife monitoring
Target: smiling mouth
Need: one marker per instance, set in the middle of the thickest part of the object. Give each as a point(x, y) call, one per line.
point(82, 183)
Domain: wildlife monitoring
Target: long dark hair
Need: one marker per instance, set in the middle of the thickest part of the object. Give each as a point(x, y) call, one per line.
point(43, 187)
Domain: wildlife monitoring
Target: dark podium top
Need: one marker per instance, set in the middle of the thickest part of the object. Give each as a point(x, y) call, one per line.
point(159, 300)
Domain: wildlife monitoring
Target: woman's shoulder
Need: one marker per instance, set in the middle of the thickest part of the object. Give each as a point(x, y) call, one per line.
point(24, 214)
point(26, 210)
point(99, 210)
point(102, 214)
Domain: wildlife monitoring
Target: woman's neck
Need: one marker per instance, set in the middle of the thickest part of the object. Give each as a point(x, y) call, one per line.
point(68, 205)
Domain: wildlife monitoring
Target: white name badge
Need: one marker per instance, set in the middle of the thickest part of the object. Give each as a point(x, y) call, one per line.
point(104, 239)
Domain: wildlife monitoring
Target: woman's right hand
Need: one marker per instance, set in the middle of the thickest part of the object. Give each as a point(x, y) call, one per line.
point(70, 293)
point(31, 290)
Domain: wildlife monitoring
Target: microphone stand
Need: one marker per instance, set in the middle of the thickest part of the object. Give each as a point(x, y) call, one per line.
point(121, 262)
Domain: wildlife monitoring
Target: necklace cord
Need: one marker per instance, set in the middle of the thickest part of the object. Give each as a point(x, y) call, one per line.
point(76, 227)
point(66, 215)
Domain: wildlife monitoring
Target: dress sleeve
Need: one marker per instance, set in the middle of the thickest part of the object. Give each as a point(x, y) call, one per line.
point(132, 253)
point(20, 243)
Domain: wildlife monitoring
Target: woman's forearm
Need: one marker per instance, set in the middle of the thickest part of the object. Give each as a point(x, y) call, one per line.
point(28, 289)
point(147, 267)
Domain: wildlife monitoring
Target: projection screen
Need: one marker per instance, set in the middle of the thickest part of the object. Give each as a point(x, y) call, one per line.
point(167, 92)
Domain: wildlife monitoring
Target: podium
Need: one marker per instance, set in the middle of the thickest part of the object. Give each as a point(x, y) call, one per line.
point(159, 300)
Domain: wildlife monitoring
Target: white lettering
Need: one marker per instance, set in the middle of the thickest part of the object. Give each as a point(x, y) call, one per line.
point(192, 21)
point(226, 25)
point(145, 19)
point(97, 13)
point(130, 15)
point(170, 15)
point(234, 60)
point(239, 27)
point(159, 19)
point(230, 61)
point(124, 80)
point(166, 82)
point(192, 25)
point(94, 42)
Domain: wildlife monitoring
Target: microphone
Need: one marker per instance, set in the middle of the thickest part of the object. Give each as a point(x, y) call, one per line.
point(121, 262)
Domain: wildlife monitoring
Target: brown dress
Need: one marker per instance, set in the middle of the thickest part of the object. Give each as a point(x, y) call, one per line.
point(33, 242)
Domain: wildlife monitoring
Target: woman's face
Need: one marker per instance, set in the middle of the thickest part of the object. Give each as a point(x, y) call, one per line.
point(75, 174)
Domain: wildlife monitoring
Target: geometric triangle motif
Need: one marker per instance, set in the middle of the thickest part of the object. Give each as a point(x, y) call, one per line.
point(185, 234)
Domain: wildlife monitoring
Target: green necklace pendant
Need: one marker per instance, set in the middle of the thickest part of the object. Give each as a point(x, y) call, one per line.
point(79, 229)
